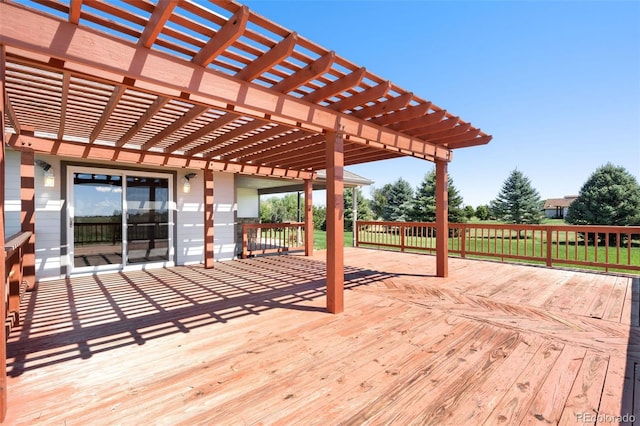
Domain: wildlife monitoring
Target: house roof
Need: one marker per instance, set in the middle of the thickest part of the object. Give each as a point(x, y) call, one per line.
point(203, 85)
point(280, 186)
point(552, 203)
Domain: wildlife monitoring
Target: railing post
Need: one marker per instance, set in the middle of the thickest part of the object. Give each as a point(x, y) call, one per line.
point(245, 241)
point(463, 249)
point(402, 231)
point(549, 246)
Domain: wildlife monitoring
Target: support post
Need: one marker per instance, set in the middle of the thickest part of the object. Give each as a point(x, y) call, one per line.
point(442, 220)
point(354, 199)
point(209, 258)
point(3, 253)
point(335, 222)
point(308, 217)
point(27, 215)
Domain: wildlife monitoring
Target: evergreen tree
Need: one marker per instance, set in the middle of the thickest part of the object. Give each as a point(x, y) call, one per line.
point(611, 196)
point(424, 203)
point(518, 202)
point(393, 201)
point(364, 209)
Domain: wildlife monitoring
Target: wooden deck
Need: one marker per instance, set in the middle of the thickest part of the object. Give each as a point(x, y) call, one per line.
point(250, 342)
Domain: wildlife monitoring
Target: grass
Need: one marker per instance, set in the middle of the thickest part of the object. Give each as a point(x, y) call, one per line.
point(320, 239)
point(489, 245)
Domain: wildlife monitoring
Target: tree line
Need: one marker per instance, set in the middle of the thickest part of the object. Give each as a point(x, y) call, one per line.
point(610, 196)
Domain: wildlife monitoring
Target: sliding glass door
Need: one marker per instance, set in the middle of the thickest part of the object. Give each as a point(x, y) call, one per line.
point(147, 219)
point(119, 219)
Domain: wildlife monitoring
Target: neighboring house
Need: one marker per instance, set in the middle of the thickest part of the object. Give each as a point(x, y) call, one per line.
point(556, 208)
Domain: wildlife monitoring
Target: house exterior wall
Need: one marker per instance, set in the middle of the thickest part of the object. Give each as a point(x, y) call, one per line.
point(51, 214)
point(224, 212)
point(248, 203)
point(12, 193)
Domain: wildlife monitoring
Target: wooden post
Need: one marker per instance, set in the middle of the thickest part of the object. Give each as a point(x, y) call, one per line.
point(209, 258)
point(3, 253)
point(549, 246)
point(442, 220)
point(27, 215)
point(335, 222)
point(308, 217)
point(354, 199)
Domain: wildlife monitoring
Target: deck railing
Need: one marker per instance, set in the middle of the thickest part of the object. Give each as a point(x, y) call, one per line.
point(612, 248)
point(261, 238)
point(14, 284)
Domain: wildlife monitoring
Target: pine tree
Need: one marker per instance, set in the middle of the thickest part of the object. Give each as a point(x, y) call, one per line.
point(518, 202)
point(611, 196)
point(424, 203)
point(393, 201)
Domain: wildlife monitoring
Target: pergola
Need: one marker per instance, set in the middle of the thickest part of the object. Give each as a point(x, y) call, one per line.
point(211, 86)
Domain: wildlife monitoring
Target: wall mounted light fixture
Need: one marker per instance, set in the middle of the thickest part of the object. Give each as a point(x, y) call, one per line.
point(49, 177)
point(186, 185)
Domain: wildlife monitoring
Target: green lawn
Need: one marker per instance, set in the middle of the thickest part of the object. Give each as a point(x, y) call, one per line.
point(320, 239)
point(491, 246)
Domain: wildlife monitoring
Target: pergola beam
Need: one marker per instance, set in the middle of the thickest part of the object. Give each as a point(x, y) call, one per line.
point(75, 11)
point(372, 94)
point(293, 149)
point(482, 140)
point(203, 131)
point(337, 86)
point(252, 153)
point(385, 107)
point(266, 134)
point(403, 115)
point(187, 118)
point(153, 109)
point(269, 59)
point(111, 105)
point(136, 156)
point(63, 103)
point(224, 38)
point(226, 137)
point(445, 124)
point(161, 13)
point(420, 122)
point(306, 74)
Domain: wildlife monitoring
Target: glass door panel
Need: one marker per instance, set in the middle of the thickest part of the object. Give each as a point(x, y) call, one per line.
point(96, 220)
point(147, 222)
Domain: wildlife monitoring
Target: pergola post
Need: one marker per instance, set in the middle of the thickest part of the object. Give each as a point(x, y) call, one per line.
point(335, 222)
point(27, 215)
point(209, 258)
point(442, 220)
point(3, 253)
point(308, 217)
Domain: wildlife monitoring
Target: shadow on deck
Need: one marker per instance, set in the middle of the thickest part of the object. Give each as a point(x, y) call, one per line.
point(79, 317)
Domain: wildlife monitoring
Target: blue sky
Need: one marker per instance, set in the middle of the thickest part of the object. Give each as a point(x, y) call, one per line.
point(557, 84)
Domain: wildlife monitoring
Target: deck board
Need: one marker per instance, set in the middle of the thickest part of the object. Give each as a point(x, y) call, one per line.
point(250, 342)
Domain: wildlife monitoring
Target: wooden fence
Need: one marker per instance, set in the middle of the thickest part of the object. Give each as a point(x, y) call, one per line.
point(612, 248)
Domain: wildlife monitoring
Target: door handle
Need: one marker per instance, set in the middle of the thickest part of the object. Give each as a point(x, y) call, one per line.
point(70, 222)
